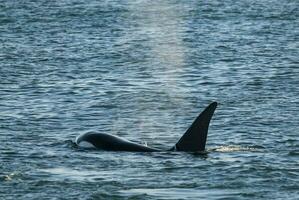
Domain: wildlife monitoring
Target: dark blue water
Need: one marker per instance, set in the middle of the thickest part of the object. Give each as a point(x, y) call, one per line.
point(143, 70)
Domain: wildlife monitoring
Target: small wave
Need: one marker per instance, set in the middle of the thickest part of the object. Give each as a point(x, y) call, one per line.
point(233, 148)
point(177, 193)
point(12, 176)
point(67, 144)
point(293, 153)
point(74, 174)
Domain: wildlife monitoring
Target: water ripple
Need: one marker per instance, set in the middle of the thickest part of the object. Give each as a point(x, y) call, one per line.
point(143, 70)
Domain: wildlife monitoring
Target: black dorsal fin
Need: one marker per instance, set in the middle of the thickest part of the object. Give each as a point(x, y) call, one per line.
point(196, 136)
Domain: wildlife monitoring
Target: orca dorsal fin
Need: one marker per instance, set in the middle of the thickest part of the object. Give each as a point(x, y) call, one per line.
point(196, 136)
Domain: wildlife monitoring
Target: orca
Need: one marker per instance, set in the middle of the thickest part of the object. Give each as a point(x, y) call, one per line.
point(193, 140)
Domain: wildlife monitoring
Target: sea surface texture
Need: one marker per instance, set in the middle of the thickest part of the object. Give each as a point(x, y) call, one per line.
point(143, 70)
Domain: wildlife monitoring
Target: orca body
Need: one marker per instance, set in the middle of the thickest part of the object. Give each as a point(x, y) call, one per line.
point(194, 139)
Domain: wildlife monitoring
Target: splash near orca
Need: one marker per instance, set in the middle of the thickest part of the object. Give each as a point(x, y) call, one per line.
point(194, 139)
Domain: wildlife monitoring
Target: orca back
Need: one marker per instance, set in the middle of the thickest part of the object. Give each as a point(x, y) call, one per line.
point(111, 143)
point(194, 139)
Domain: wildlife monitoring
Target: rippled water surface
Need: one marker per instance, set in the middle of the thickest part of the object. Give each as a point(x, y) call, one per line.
point(143, 70)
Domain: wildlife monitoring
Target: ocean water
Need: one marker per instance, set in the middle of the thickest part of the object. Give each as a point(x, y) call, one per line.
point(143, 70)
